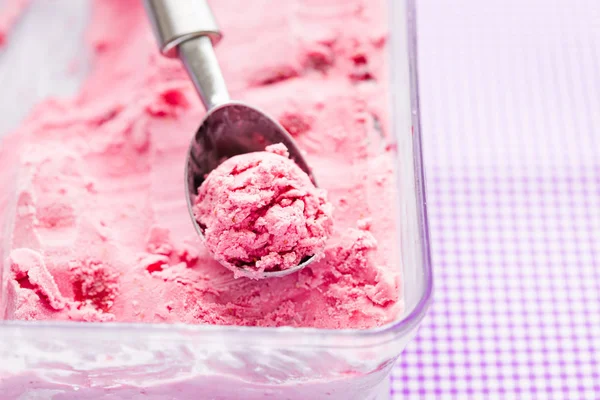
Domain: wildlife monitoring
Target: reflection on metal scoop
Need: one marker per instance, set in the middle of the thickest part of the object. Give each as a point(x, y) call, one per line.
point(187, 29)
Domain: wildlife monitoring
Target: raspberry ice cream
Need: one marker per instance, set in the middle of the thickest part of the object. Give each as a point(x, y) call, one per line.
point(97, 226)
point(261, 213)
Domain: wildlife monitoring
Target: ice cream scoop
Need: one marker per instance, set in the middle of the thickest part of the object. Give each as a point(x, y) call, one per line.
point(188, 30)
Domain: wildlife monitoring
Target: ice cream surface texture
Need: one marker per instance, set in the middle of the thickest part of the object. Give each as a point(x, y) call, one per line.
point(260, 212)
point(96, 223)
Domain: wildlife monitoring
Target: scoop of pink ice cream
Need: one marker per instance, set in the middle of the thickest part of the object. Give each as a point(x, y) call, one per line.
point(260, 212)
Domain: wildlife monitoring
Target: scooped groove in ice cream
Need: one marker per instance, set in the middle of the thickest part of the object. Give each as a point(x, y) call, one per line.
point(260, 212)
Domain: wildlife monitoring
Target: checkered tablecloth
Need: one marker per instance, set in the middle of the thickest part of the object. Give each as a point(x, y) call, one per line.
point(511, 117)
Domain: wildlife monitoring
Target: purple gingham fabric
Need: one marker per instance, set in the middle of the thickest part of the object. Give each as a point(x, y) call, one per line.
point(511, 117)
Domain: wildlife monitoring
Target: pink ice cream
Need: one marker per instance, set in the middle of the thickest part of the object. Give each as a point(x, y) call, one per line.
point(260, 212)
point(98, 228)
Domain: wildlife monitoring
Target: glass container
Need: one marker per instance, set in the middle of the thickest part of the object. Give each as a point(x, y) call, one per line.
point(73, 360)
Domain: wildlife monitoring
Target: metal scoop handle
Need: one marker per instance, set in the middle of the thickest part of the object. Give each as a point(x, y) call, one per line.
point(187, 29)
